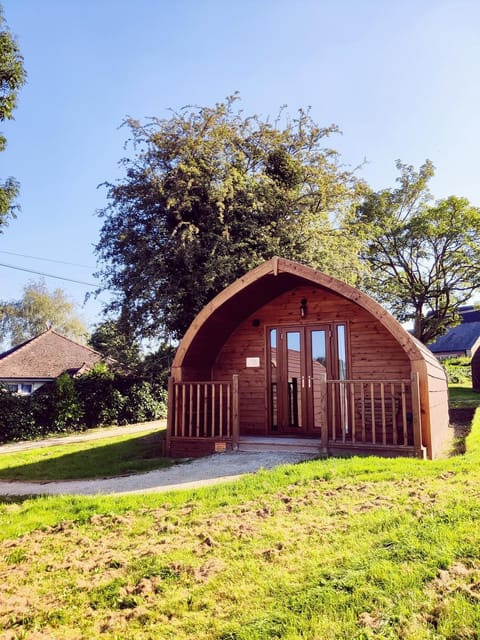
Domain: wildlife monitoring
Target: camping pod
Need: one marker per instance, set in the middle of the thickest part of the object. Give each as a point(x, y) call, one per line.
point(288, 357)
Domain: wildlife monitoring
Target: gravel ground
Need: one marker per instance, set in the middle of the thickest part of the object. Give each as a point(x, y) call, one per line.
point(202, 472)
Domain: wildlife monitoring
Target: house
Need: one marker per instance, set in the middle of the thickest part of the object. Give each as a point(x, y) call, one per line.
point(288, 356)
point(462, 340)
point(31, 364)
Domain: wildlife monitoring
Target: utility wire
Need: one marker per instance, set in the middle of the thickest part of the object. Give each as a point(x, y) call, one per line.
point(48, 275)
point(72, 264)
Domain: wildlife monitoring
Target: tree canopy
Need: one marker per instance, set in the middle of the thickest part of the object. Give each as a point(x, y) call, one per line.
point(38, 310)
point(423, 256)
point(208, 194)
point(12, 78)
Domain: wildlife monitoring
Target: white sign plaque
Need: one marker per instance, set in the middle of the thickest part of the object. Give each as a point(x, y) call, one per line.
point(253, 362)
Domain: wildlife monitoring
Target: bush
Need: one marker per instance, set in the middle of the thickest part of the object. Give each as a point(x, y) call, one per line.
point(142, 403)
point(98, 398)
point(458, 370)
point(16, 417)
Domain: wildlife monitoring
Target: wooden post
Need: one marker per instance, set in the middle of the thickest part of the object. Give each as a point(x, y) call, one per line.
point(235, 412)
point(323, 395)
point(170, 413)
point(416, 411)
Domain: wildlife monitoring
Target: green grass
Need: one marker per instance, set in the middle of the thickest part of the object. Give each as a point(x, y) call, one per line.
point(95, 459)
point(463, 396)
point(350, 549)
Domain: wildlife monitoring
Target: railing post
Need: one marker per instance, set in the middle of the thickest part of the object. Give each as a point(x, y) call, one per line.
point(170, 413)
point(416, 411)
point(324, 401)
point(235, 412)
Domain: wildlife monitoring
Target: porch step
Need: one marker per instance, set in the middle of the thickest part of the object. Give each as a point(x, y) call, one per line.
point(294, 445)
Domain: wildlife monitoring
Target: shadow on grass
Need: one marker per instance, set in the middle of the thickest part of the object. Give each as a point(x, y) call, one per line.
point(461, 422)
point(135, 455)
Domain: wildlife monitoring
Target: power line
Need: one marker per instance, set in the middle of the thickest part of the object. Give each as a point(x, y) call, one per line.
point(48, 275)
point(72, 264)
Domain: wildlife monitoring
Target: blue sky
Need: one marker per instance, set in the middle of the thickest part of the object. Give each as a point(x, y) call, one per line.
point(400, 79)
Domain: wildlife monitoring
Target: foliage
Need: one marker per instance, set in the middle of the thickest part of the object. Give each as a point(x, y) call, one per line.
point(12, 78)
point(98, 398)
point(109, 339)
point(210, 193)
point(38, 310)
point(141, 405)
point(155, 367)
point(424, 257)
point(16, 417)
point(459, 370)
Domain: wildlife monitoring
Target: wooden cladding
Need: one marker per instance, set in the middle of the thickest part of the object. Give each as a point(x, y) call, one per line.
point(373, 412)
point(204, 410)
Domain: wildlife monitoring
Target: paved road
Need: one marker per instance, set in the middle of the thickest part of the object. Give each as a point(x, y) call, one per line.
point(221, 467)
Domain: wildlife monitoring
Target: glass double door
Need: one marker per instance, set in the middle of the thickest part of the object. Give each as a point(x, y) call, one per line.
point(299, 360)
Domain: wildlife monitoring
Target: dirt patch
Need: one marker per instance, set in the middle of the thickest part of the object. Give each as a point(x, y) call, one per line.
point(460, 422)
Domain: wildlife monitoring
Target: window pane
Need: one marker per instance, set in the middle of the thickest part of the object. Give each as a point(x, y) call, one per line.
point(294, 379)
point(342, 352)
point(319, 363)
point(273, 380)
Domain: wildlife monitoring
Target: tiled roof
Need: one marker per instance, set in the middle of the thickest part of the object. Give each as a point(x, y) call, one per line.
point(45, 357)
point(462, 337)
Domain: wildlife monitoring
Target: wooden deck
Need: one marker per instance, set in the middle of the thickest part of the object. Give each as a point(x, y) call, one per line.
point(379, 417)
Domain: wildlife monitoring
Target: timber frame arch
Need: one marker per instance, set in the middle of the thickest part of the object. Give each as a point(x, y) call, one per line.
point(213, 349)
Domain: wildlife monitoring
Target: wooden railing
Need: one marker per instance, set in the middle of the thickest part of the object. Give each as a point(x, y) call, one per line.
point(204, 410)
point(374, 412)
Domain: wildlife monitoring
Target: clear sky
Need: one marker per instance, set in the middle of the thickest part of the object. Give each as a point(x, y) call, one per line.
point(400, 79)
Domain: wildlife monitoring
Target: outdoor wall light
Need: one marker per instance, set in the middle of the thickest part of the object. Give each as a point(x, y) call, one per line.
point(303, 307)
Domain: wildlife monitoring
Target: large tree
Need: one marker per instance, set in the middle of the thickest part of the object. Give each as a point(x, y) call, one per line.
point(38, 310)
point(210, 193)
point(423, 256)
point(12, 77)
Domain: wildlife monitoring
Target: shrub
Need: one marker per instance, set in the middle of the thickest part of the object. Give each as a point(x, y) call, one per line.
point(98, 398)
point(458, 370)
point(16, 417)
point(142, 403)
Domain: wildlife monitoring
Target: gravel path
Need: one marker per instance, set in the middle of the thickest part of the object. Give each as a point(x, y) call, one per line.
point(202, 472)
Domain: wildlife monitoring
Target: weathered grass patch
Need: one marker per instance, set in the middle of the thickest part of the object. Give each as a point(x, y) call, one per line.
point(352, 549)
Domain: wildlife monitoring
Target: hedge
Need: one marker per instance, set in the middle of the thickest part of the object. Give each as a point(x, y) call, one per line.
point(96, 399)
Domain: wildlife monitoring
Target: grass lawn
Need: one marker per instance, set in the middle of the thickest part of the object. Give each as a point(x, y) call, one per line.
point(463, 396)
point(330, 549)
point(95, 459)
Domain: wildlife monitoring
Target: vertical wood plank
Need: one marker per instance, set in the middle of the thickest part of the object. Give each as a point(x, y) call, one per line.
point(235, 412)
point(229, 411)
point(206, 434)
point(197, 424)
point(404, 416)
point(182, 402)
point(214, 413)
point(417, 412)
point(394, 413)
point(333, 404)
point(220, 408)
point(372, 403)
point(362, 404)
point(324, 404)
point(190, 410)
point(352, 408)
point(384, 423)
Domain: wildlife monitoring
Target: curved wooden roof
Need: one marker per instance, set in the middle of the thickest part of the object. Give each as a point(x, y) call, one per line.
point(212, 326)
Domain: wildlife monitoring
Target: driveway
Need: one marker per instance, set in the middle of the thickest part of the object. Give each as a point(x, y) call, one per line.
point(201, 472)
